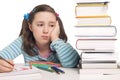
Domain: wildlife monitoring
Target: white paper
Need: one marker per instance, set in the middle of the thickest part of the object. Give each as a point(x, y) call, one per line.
point(23, 72)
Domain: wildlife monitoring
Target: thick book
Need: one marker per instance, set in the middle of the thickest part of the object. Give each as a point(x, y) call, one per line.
point(95, 44)
point(91, 8)
point(95, 31)
point(100, 71)
point(91, 1)
point(103, 56)
point(110, 51)
point(93, 20)
point(99, 60)
point(99, 65)
point(99, 74)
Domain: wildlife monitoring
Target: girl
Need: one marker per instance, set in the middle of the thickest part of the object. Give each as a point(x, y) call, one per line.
point(42, 38)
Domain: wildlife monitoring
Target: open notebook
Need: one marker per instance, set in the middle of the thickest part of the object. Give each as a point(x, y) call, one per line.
point(22, 72)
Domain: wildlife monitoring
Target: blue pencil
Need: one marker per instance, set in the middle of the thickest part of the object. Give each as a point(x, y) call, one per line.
point(57, 69)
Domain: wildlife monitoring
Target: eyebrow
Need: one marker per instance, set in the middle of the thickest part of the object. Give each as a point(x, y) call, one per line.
point(51, 22)
point(40, 22)
point(43, 22)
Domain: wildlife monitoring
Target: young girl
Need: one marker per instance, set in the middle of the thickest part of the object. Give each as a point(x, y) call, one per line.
point(42, 38)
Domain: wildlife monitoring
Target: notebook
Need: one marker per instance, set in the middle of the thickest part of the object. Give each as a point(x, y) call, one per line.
point(23, 72)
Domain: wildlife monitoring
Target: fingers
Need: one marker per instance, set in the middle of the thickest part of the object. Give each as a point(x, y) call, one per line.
point(6, 64)
point(55, 33)
point(57, 25)
point(11, 62)
point(6, 67)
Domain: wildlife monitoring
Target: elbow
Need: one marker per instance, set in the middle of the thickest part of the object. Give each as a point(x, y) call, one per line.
point(67, 66)
point(71, 64)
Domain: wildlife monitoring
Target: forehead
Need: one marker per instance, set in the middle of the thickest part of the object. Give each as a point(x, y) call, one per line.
point(44, 16)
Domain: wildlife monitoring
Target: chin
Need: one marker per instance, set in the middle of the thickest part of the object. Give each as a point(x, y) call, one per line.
point(46, 41)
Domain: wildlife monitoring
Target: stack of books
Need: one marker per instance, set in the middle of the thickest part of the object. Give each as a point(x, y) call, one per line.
point(99, 60)
point(95, 35)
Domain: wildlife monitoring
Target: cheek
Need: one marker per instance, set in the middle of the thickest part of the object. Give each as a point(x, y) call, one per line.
point(50, 31)
point(36, 33)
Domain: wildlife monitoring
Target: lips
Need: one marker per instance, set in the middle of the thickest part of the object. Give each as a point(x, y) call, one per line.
point(45, 37)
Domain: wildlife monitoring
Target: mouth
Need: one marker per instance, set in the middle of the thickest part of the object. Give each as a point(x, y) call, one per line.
point(45, 37)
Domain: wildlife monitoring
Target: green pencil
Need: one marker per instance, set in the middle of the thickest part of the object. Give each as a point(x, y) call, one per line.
point(43, 67)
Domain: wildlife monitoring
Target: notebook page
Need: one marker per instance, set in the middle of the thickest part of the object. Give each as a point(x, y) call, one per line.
point(21, 69)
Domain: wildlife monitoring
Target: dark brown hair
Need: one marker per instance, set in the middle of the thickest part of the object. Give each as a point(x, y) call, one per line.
point(27, 36)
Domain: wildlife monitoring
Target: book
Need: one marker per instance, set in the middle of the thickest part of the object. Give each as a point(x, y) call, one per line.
point(95, 31)
point(99, 65)
point(91, 1)
point(99, 56)
point(110, 51)
point(95, 44)
point(93, 20)
point(91, 9)
point(100, 71)
point(100, 76)
point(99, 60)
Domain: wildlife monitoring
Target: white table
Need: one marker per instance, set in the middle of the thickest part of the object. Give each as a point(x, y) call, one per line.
point(37, 74)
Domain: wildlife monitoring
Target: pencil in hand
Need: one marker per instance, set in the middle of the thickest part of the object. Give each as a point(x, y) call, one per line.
point(6, 61)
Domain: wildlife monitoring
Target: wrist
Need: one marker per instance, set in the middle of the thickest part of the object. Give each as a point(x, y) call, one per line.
point(55, 38)
point(56, 44)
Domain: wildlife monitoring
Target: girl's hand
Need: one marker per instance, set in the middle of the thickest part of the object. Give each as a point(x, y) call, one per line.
point(6, 67)
point(56, 32)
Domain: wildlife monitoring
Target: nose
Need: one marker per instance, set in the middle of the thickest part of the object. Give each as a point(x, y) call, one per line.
point(45, 30)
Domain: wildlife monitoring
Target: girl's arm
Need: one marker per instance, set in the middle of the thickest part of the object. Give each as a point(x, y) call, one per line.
point(12, 50)
point(67, 55)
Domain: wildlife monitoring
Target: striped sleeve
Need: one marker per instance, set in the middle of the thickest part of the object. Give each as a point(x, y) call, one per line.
point(12, 50)
point(67, 55)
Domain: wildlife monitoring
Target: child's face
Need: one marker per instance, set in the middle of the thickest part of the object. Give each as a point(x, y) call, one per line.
point(42, 26)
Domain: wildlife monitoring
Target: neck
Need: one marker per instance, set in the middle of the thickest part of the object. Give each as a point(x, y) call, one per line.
point(44, 49)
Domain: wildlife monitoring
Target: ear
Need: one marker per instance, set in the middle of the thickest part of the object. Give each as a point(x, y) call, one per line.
point(30, 26)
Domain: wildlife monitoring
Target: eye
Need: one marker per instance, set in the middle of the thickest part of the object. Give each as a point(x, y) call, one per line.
point(40, 25)
point(52, 25)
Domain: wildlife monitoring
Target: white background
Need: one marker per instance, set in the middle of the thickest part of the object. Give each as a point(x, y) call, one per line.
point(12, 11)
